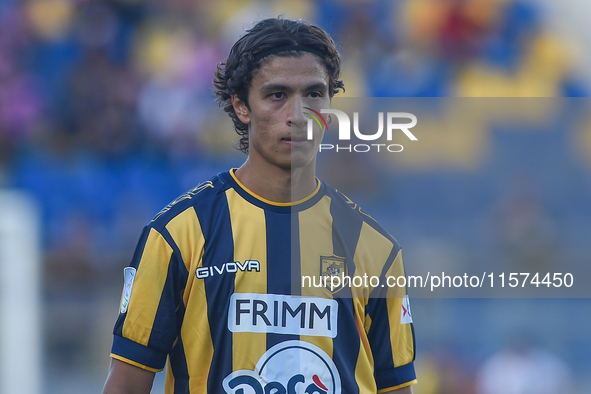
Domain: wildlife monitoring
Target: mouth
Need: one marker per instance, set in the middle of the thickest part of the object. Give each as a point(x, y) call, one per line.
point(295, 141)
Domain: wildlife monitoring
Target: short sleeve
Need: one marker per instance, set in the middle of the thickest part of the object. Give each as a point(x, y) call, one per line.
point(391, 337)
point(150, 314)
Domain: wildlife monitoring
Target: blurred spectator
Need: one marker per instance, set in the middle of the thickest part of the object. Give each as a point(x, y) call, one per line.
point(524, 369)
point(525, 231)
point(442, 373)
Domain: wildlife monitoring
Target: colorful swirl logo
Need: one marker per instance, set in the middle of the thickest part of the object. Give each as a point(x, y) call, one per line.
point(317, 117)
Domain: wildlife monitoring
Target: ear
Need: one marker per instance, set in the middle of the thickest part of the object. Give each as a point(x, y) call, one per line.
point(241, 109)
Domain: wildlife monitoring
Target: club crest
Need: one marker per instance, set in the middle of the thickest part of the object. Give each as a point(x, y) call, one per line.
point(333, 266)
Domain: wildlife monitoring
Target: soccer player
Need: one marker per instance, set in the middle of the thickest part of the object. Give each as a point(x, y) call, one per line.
point(209, 287)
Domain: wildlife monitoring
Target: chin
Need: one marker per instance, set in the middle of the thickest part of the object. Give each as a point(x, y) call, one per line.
point(300, 162)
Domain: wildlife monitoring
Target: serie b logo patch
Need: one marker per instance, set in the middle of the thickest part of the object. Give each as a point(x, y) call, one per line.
point(129, 275)
point(330, 266)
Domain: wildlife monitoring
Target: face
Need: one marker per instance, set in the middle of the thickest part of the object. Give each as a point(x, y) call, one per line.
point(280, 90)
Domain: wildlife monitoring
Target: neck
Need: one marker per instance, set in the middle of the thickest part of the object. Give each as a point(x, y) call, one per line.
point(278, 184)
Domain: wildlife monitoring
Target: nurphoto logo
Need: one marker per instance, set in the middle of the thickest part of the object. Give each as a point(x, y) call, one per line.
point(392, 124)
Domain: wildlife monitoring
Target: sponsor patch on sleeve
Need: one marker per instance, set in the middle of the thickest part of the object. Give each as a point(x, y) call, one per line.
point(405, 315)
point(129, 276)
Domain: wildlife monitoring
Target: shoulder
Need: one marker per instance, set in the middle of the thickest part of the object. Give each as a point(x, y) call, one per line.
point(343, 207)
point(205, 193)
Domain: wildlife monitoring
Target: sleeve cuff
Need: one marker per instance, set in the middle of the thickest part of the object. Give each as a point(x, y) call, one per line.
point(131, 362)
point(395, 378)
point(139, 355)
point(400, 386)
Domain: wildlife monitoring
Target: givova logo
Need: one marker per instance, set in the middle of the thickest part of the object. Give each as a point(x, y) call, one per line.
point(290, 367)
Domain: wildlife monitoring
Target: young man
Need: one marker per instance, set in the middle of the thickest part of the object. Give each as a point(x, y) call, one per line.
point(210, 283)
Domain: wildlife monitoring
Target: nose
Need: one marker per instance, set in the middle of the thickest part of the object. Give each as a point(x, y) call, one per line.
point(296, 116)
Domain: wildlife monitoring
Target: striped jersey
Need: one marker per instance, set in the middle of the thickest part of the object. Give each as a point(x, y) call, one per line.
point(227, 287)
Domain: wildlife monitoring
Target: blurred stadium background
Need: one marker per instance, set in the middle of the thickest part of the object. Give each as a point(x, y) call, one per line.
point(106, 114)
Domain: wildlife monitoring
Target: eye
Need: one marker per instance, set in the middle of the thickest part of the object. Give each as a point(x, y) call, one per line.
point(316, 94)
point(277, 95)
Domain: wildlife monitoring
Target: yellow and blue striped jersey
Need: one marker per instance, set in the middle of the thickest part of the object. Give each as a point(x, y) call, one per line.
point(210, 289)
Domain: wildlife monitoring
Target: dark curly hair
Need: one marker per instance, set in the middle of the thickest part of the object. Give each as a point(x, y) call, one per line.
point(234, 75)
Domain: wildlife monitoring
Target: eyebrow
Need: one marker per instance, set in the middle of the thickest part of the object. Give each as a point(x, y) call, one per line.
point(281, 87)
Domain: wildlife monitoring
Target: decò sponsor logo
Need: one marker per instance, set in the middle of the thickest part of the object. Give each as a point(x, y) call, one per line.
point(290, 367)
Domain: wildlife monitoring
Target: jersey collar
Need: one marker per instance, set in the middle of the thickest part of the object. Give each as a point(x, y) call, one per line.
point(257, 200)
